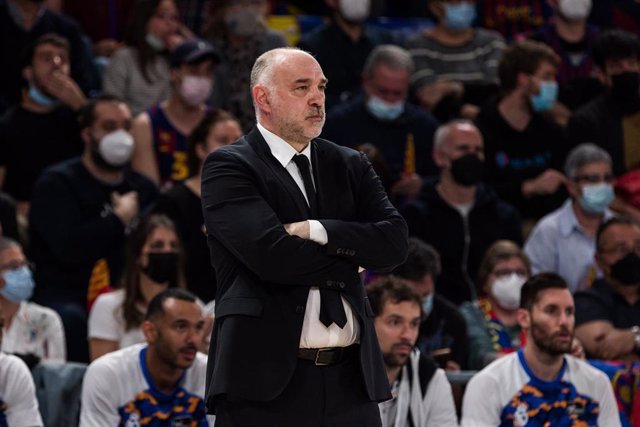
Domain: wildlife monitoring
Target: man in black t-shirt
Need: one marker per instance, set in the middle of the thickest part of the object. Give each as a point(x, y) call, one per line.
point(608, 314)
point(523, 147)
point(81, 210)
point(42, 129)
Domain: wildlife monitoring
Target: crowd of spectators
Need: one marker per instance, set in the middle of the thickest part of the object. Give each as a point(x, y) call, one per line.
point(507, 134)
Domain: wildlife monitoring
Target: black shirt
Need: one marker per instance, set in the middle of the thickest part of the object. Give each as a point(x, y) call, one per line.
point(72, 226)
point(600, 302)
point(185, 209)
point(513, 156)
point(29, 142)
point(445, 328)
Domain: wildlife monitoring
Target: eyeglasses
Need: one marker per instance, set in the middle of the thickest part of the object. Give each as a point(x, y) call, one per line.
point(594, 178)
point(508, 271)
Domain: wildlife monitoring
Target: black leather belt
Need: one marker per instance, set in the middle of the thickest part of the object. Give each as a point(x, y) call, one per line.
point(326, 356)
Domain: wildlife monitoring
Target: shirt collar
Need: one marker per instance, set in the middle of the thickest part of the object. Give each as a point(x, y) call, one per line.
point(280, 149)
point(568, 221)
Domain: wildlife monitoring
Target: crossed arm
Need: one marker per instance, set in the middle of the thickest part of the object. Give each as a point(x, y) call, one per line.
point(237, 214)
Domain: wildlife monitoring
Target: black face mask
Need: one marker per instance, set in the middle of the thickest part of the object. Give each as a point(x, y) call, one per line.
point(162, 267)
point(625, 91)
point(467, 170)
point(627, 270)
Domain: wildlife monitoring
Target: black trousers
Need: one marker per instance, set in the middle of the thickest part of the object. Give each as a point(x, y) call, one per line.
point(316, 396)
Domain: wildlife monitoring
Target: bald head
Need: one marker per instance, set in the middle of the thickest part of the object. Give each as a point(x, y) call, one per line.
point(264, 67)
point(449, 131)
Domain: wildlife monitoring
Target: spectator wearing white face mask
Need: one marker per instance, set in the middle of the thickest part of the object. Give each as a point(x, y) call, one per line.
point(565, 240)
point(161, 132)
point(491, 320)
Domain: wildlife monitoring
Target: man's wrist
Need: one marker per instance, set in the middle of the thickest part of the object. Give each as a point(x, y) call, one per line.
point(635, 330)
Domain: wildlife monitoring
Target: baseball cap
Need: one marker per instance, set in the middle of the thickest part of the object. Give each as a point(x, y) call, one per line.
point(191, 51)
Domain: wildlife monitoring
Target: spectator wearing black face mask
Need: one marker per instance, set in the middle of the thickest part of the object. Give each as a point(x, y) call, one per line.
point(608, 314)
point(612, 120)
point(457, 214)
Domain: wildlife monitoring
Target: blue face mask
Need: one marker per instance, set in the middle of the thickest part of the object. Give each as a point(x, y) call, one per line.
point(384, 110)
point(596, 198)
point(427, 305)
point(18, 284)
point(544, 100)
point(40, 98)
point(459, 16)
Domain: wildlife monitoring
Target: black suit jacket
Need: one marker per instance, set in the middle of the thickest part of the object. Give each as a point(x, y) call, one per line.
point(264, 274)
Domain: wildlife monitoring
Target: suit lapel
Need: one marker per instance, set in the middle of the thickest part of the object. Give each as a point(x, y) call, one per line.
point(261, 147)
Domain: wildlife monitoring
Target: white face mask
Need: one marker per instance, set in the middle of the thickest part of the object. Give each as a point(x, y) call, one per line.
point(575, 9)
point(355, 10)
point(116, 147)
point(195, 90)
point(506, 290)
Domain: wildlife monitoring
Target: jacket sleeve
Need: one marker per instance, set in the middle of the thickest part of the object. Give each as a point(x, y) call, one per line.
point(378, 241)
point(237, 215)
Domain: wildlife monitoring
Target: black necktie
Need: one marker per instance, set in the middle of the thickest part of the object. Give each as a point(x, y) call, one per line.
point(331, 309)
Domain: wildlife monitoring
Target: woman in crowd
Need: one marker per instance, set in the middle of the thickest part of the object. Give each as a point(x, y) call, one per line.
point(183, 205)
point(491, 320)
point(139, 72)
point(153, 263)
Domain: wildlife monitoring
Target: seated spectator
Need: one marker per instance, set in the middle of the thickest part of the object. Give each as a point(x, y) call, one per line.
point(401, 132)
point(18, 402)
point(161, 132)
point(182, 202)
point(512, 17)
point(161, 382)
point(522, 146)
point(572, 39)
point(564, 241)
point(457, 214)
point(612, 120)
point(456, 64)
point(491, 320)
point(238, 31)
point(42, 129)
point(421, 393)
point(81, 211)
point(21, 24)
point(153, 263)
point(342, 46)
point(443, 332)
point(139, 72)
point(541, 384)
point(608, 314)
point(31, 332)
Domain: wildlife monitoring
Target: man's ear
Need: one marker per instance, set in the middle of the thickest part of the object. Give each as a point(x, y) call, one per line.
point(27, 73)
point(85, 134)
point(523, 316)
point(149, 331)
point(261, 98)
point(439, 159)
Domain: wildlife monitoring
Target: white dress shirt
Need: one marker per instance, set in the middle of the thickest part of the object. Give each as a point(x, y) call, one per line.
point(314, 333)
